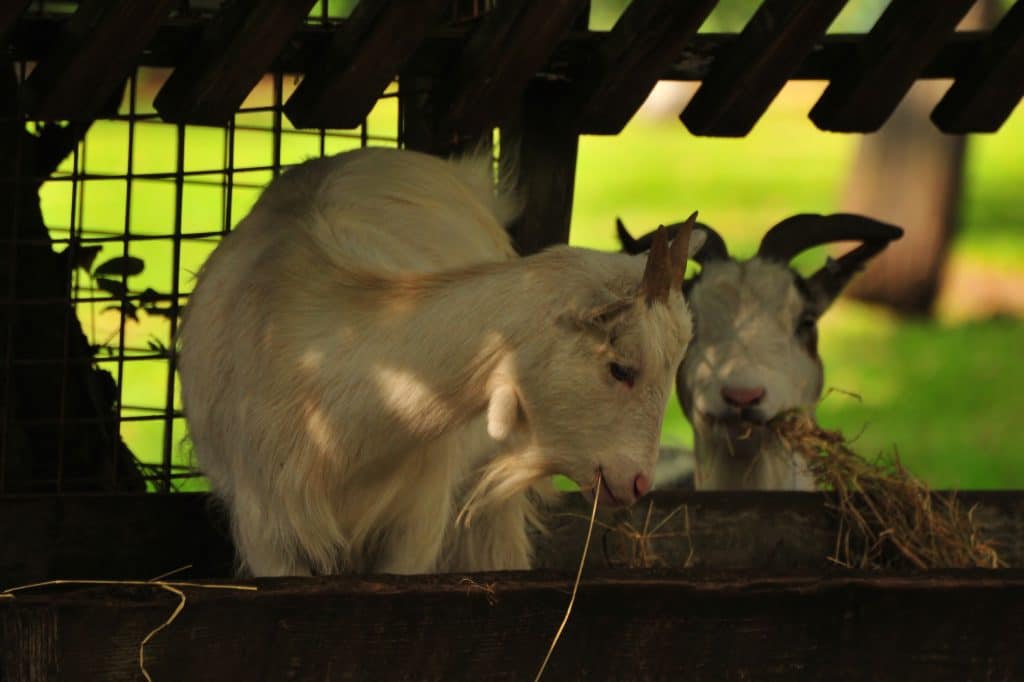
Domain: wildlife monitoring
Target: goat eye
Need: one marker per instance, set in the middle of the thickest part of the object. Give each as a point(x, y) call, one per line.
point(626, 375)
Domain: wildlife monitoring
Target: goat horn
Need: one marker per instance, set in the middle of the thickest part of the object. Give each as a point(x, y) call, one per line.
point(657, 278)
point(679, 251)
point(713, 248)
point(801, 232)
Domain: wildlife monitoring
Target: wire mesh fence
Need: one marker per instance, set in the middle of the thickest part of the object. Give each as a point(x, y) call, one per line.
point(131, 213)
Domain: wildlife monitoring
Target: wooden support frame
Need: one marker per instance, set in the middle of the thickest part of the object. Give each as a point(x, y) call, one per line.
point(646, 39)
point(865, 92)
point(10, 11)
point(342, 85)
point(501, 56)
point(744, 81)
point(418, 121)
point(238, 46)
point(984, 96)
point(99, 46)
point(540, 150)
point(35, 37)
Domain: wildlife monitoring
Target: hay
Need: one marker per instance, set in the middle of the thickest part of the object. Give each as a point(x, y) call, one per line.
point(576, 584)
point(887, 517)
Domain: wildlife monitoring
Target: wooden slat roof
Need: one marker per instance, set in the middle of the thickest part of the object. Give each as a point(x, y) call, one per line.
point(480, 69)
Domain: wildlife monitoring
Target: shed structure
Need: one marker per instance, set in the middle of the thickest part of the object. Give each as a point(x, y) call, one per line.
point(149, 128)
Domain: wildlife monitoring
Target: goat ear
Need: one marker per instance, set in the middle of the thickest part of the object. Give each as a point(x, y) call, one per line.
point(697, 239)
point(502, 412)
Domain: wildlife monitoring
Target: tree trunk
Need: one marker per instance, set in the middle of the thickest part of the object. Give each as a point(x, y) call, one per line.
point(58, 426)
point(910, 174)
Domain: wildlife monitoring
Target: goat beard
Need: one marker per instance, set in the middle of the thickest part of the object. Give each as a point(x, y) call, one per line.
point(502, 479)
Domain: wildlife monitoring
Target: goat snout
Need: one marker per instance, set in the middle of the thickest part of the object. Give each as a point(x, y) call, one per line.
point(619, 492)
point(742, 396)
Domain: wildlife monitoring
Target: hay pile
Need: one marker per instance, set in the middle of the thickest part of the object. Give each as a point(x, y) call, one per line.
point(887, 518)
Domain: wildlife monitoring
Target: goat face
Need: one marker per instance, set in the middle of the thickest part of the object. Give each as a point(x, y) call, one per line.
point(755, 351)
point(754, 354)
point(622, 347)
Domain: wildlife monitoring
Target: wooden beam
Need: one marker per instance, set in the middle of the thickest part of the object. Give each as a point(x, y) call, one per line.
point(502, 54)
point(983, 97)
point(541, 150)
point(238, 46)
point(35, 37)
point(365, 54)
point(10, 10)
point(142, 536)
point(648, 37)
point(669, 625)
point(745, 80)
point(865, 92)
point(98, 48)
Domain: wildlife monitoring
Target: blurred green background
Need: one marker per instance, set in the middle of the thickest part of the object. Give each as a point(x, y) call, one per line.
point(944, 393)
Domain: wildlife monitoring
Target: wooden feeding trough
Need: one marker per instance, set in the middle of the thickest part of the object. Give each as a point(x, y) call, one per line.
point(741, 588)
point(694, 586)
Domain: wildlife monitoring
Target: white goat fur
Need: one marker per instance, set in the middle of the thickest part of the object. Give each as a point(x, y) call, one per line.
point(745, 314)
point(364, 358)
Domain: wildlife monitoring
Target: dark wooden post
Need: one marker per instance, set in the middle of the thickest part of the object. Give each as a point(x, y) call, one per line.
point(541, 151)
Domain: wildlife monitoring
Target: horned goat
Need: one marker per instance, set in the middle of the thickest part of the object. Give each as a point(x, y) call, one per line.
point(375, 382)
point(755, 349)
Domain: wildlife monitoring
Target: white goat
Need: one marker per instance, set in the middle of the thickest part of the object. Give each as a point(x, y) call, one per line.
point(755, 349)
point(375, 382)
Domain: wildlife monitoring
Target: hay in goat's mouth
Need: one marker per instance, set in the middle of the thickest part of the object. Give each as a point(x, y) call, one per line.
point(887, 517)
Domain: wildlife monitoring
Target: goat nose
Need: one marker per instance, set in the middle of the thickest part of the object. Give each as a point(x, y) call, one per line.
point(641, 484)
point(742, 396)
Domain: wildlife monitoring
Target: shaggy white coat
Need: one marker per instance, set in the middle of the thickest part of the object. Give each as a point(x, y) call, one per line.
point(375, 382)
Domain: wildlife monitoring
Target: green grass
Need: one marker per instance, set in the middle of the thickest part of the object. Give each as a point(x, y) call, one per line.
point(945, 396)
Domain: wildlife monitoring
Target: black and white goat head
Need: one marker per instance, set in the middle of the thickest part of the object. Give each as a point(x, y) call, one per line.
point(754, 354)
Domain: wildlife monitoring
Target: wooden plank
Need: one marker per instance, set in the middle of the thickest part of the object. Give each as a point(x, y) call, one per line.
point(502, 54)
point(34, 37)
point(98, 47)
point(541, 150)
point(238, 46)
point(625, 626)
point(983, 97)
point(365, 54)
point(745, 81)
point(648, 37)
point(142, 536)
point(865, 92)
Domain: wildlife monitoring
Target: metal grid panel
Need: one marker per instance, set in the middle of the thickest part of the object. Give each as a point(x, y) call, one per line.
point(137, 207)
